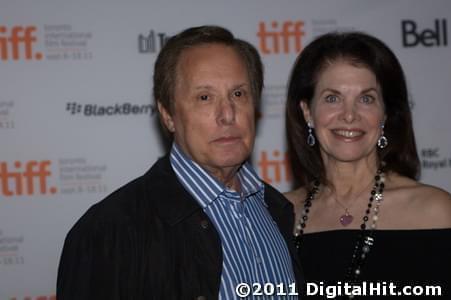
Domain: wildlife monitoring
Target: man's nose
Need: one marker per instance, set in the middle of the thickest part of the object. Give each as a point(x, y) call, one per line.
point(226, 111)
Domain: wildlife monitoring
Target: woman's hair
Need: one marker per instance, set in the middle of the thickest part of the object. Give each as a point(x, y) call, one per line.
point(359, 49)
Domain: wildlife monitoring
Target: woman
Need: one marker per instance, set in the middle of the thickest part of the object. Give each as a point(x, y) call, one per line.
point(361, 214)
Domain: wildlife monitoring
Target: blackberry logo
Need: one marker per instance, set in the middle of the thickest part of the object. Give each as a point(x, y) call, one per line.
point(73, 107)
point(124, 109)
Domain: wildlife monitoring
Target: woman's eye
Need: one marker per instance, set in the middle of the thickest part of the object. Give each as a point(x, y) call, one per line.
point(331, 98)
point(367, 99)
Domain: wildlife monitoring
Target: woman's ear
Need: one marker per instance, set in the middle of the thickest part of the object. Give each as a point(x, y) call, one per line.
point(306, 111)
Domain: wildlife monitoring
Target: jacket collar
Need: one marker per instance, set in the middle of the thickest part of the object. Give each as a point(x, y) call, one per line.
point(204, 187)
point(176, 203)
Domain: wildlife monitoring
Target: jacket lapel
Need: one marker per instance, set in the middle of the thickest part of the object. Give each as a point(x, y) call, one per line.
point(172, 201)
point(282, 212)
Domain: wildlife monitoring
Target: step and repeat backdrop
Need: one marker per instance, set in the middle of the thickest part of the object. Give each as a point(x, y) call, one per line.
point(77, 118)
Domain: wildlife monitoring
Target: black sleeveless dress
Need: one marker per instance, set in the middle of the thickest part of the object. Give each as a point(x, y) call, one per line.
point(404, 257)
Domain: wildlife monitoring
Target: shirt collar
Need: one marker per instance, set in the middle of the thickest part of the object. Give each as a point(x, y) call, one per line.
point(206, 188)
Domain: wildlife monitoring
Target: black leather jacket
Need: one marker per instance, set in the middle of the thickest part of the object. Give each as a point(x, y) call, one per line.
point(151, 240)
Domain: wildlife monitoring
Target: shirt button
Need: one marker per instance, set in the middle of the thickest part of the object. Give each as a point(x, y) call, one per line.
point(204, 224)
point(258, 260)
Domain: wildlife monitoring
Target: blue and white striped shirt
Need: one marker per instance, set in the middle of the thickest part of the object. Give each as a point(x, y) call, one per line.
point(254, 250)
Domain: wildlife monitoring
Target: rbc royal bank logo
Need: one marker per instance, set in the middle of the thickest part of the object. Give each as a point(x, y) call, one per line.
point(435, 36)
point(280, 37)
point(18, 42)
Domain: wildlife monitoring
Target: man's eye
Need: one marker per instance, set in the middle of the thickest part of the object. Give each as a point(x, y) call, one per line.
point(237, 93)
point(204, 97)
point(331, 98)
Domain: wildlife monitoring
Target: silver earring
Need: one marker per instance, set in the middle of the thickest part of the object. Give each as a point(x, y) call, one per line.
point(310, 138)
point(382, 142)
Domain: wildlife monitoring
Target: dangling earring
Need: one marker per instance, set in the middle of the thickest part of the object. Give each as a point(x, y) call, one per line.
point(310, 138)
point(382, 142)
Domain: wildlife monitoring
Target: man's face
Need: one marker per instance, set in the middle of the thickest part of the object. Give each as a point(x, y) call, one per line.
point(213, 118)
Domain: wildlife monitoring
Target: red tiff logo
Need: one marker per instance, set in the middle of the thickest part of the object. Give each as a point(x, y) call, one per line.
point(274, 168)
point(17, 43)
point(29, 178)
point(281, 38)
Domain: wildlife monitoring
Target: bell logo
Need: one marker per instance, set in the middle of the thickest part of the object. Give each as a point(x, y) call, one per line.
point(286, 38)
point(28, 178)
point(18, 43)
point(276, 169)
point(432, 37)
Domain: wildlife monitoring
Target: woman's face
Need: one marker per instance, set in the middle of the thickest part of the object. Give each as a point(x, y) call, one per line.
point(347, 112)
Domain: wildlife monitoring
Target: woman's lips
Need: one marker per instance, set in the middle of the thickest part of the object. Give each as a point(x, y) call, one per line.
point(348, 134)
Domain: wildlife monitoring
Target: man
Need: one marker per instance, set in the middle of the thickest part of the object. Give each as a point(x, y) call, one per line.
point(200, 221)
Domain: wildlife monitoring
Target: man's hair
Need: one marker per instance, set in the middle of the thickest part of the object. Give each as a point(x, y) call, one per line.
point(165, 70)
point(358, 49)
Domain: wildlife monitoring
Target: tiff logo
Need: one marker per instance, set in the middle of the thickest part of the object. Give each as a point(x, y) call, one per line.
point(286, 38)
point(275, 169)
point(24, 178)
point(152, 42)
point(430, 37)
point(73, 108)
point(18, 43)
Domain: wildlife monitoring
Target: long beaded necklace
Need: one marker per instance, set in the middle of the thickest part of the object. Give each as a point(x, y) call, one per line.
point(365, 238)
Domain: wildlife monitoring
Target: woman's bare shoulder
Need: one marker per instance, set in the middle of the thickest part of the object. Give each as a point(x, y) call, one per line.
point(429, 203)
point(434, 198)
point(435, 204)
point(417, 191)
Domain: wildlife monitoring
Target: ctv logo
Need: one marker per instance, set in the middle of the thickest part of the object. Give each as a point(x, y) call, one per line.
point(275, 167)
point(429, 37)
point(17, 43)
point(28, 178)
point(284, 37)
point(151, 43)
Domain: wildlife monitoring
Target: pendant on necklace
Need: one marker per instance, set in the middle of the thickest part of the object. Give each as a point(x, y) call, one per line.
point(346, 219)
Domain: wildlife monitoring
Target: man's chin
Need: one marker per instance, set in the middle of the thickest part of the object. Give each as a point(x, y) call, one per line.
point(230, 160)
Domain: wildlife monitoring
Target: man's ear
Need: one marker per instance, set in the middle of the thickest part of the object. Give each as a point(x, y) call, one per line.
point(306, 111)
point(166, 117)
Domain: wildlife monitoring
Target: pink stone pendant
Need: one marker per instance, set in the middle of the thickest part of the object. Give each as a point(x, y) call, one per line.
point(346, 219)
